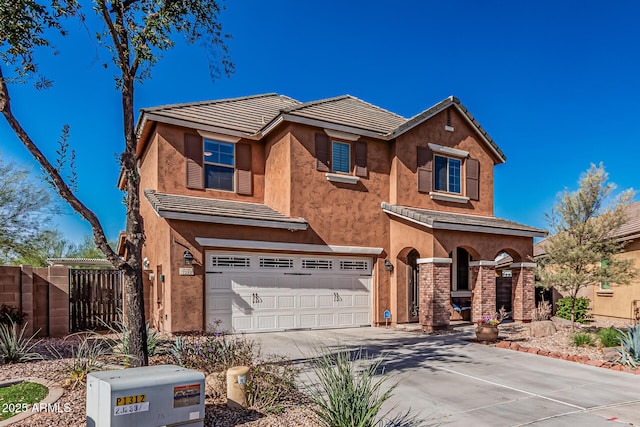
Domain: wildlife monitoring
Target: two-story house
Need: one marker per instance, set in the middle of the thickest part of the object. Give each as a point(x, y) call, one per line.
point(331, 213)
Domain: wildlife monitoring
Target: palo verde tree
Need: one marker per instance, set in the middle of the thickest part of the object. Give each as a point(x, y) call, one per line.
point(581, 250)
point(135, 32)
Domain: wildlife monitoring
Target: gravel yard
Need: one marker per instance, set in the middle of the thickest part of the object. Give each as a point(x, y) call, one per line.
point(72, 404)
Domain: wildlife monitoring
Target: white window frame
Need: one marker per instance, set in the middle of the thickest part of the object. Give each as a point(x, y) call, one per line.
point(435, 174)
point(205, 163)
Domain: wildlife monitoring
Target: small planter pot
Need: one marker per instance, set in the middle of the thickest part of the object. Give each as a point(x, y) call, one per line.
point(487, 333)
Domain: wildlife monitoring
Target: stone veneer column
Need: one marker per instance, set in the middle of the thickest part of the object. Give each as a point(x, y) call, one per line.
point(523, 289)
point(435, 292)
point(483, 300)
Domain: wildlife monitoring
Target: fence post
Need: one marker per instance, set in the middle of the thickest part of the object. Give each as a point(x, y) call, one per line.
point(58, 301)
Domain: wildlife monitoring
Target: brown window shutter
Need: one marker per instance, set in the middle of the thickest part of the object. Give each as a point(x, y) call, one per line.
point(193, 155)
point(425, 169)
point(322, 152)
point(473, 179)
point(243, 169)
point(361, 159)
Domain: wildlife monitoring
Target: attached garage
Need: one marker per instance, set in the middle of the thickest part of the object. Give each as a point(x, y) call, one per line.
point(261, 292)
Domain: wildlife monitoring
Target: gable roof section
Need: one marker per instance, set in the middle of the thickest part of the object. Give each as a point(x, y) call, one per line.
point(348, 111)
point(200, 209)
point(241, 116)
point(443, 105)
point(462, 222)
point(254, 116)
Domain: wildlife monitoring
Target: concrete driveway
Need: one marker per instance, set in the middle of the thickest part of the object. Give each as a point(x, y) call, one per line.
point(450, 380)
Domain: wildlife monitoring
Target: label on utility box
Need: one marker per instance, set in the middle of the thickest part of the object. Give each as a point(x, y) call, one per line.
point(131, 409)
point(186, 395)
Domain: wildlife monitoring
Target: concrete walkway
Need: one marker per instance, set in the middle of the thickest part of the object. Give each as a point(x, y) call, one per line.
point(450, 380)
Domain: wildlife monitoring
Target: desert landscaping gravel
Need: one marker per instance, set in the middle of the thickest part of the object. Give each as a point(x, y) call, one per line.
point(71, 406)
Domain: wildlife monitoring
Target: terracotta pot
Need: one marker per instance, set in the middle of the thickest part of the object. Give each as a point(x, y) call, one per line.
point(487, 332)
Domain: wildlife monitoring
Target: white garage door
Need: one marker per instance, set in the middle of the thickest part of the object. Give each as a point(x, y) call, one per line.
point(249, 292)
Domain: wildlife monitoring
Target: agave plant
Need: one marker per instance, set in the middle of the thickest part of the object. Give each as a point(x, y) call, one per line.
point(15, 346)
point(630, 346)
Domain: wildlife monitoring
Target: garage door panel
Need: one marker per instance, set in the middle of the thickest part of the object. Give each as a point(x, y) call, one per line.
point(345, 300)
point(325, 301)
point(362, 318)
point(286, 302)
point(345, 319)
point(287, 321)
point(309, 292)
point(361, 300)
point(325, 320)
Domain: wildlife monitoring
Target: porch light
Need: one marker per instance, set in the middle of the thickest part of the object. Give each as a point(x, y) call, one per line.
point(187, 257)
point(387, 265)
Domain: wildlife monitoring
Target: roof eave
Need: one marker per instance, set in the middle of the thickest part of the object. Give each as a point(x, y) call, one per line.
point(218, 219)
point(292, 118)
point(441, 106)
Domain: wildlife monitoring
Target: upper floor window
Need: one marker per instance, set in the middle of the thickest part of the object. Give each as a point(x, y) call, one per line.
point(340, 157)
point(447, 174)
point(219, 164)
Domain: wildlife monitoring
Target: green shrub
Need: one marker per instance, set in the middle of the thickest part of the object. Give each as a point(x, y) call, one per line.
point(120, 344)
point(346, 391)
point(87, 357)
point(630, 346)
point(582, 339)
point(10, 314)
point(15, 346)
point(563, 309)
point(609, 337)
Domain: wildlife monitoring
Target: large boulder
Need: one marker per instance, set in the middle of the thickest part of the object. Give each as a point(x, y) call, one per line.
point(543, 328)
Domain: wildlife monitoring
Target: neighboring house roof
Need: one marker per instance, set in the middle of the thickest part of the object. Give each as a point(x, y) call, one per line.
point(255, 116)
point(627, 231)
point(202, 209)
point(462, 222)
point(80, 262)
point(631, 228)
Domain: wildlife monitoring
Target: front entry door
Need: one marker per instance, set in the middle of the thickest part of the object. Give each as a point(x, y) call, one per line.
point(413, 286)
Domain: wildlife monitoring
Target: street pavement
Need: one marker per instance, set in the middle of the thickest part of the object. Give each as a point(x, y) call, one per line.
point(450, 380)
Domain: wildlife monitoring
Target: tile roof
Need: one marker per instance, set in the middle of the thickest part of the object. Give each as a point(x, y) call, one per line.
point(349, 111)
point(628, 230)
point(454, 221)
point(247, 114)
point(632, 225)
point(203, 209)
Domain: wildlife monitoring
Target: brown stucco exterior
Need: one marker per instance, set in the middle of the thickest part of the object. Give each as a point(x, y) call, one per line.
point(285, 178)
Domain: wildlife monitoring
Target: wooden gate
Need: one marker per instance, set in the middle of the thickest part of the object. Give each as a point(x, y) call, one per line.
point(95, 299)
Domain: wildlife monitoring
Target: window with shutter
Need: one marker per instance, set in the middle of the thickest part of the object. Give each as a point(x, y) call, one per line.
point(322, 152)
point(473, 179)
point(193, 157)
point(243, 169)
point(219, 164)
point(425, 169)
point(340, 157)
point(361, 168)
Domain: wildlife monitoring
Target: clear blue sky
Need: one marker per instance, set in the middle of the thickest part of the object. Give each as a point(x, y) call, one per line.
point(555, 83)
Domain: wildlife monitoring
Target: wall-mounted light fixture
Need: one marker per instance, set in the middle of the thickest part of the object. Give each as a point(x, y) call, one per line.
point(145, 263)
point(387, 265)
point(187, 257)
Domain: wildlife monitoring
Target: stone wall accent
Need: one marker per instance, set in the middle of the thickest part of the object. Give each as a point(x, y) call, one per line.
point(483, 300)
point(523, 288)
point(435, 293)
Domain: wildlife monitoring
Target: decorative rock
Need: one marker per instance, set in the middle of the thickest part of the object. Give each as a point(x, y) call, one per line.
point(533, 351)
point(543, 328)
